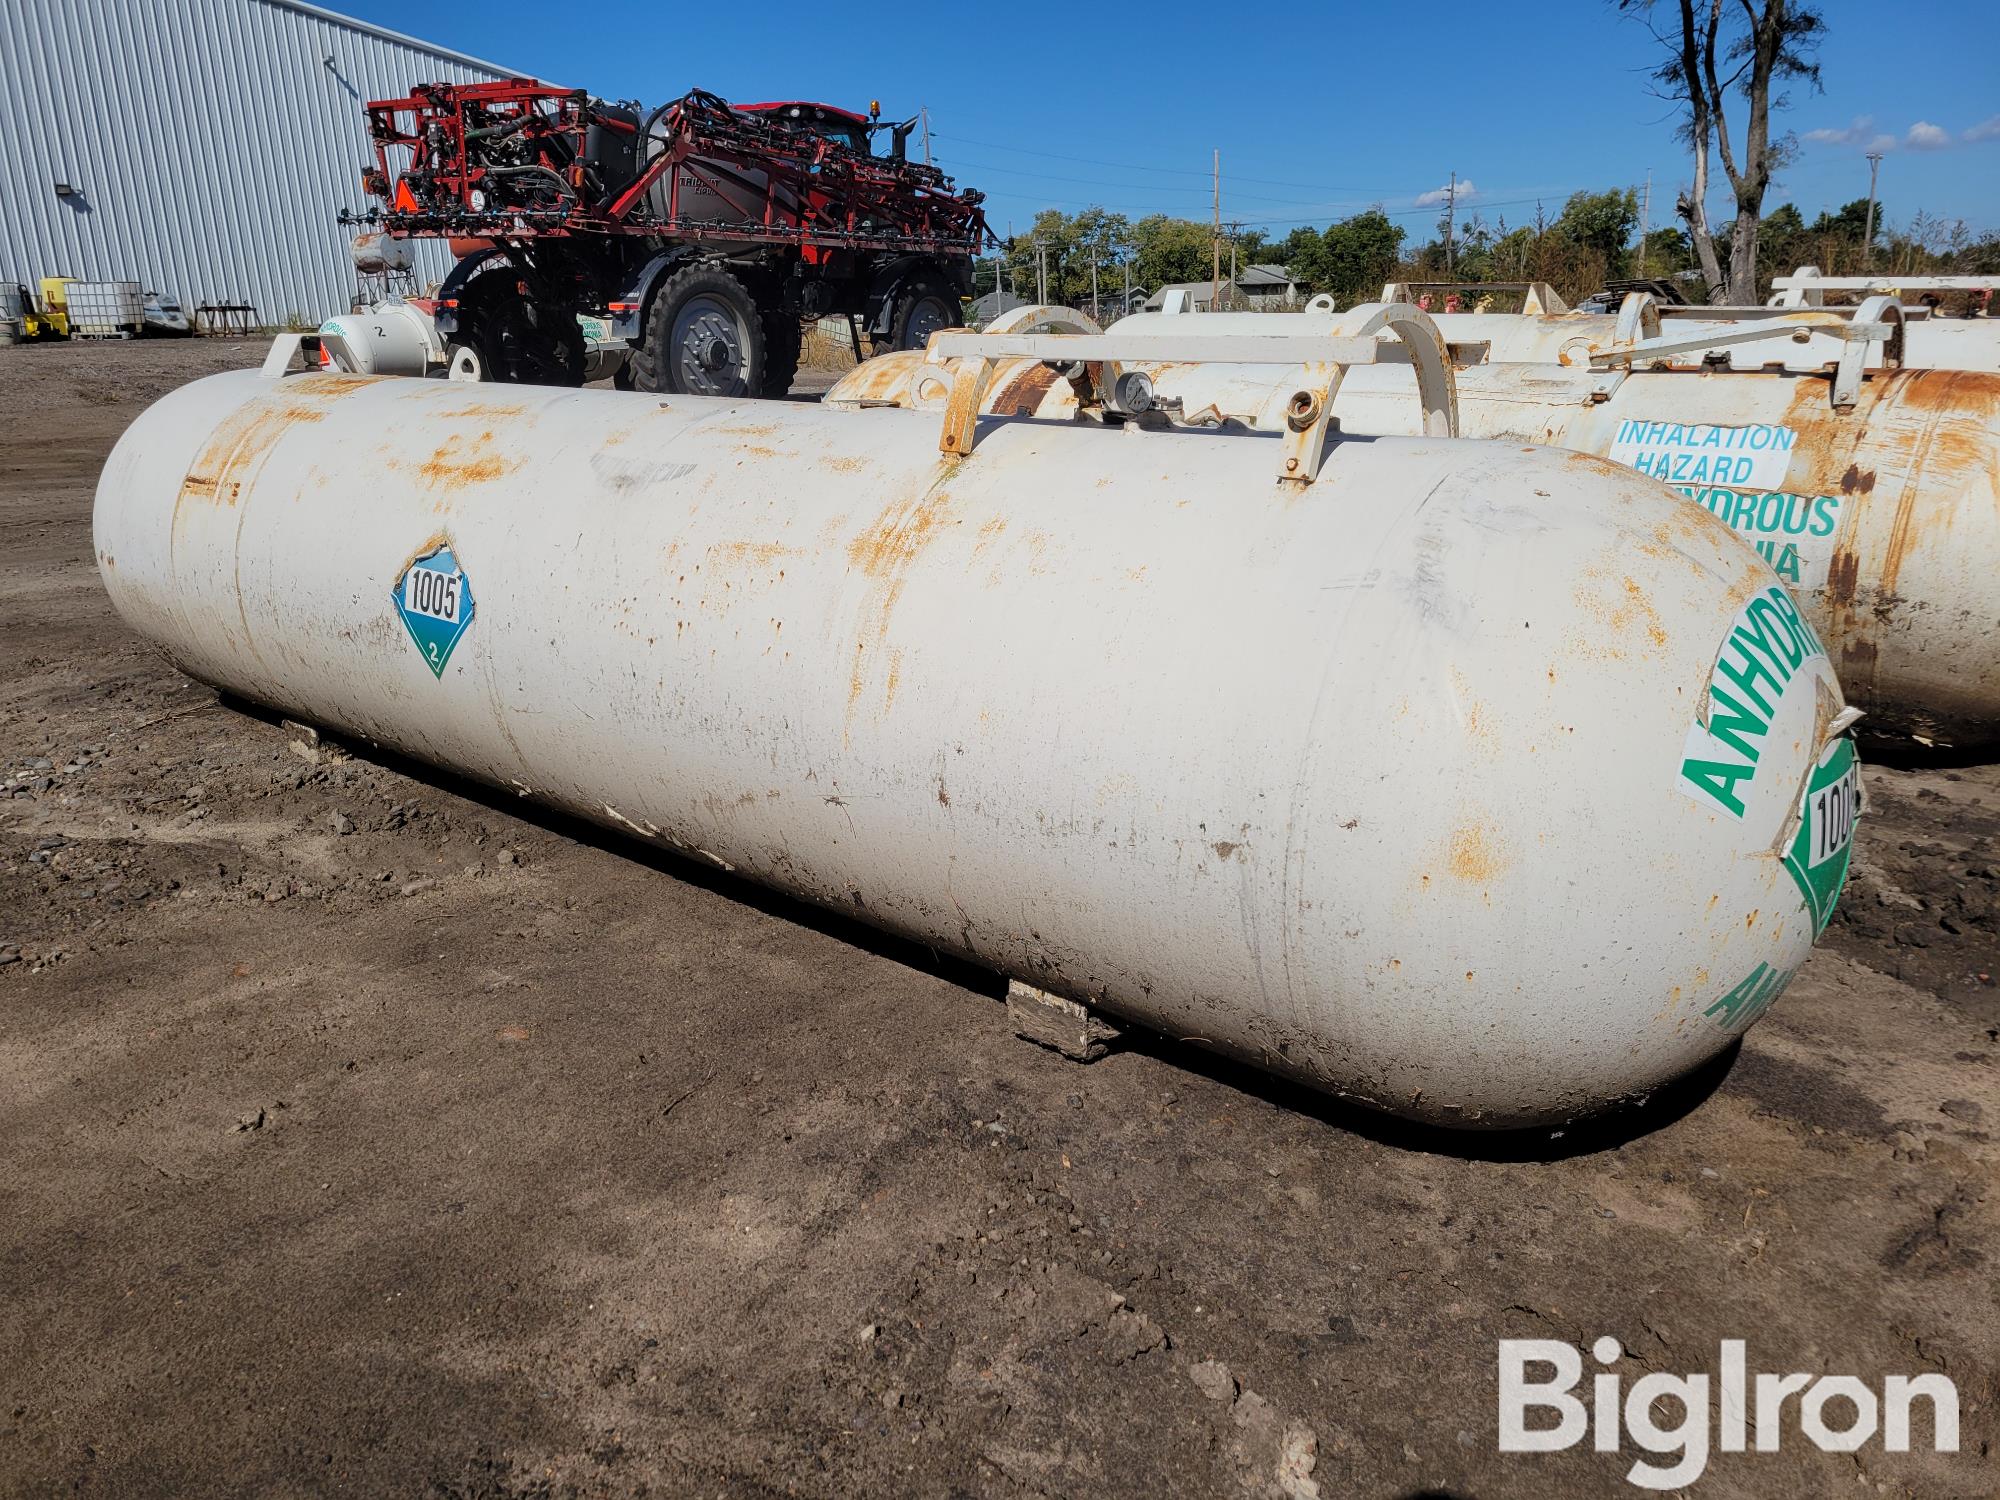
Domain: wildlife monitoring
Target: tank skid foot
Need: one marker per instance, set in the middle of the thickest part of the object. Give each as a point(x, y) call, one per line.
point(1051, 1021)
point(309, 745)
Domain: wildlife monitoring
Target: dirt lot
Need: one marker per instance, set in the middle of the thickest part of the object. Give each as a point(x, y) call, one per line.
point(368, 1134)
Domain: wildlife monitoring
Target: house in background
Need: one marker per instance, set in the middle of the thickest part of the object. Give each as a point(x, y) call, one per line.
point(1194, 295)
point(1257, 288)
point(1266, 286)
point(984, 310)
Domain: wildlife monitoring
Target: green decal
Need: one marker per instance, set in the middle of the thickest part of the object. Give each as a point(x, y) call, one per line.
point(1750, 998)
point(1766, 646)
point(1819, 854)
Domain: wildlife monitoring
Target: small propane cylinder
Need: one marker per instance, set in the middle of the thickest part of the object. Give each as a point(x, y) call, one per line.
point(378, 254)
point(1485, 784)
point(1882, 518)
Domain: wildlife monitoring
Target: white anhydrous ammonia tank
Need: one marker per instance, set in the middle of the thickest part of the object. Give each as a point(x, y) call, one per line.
point(1570, 337)
point(1884, 519)
point(1485, 784)
point(390, 338)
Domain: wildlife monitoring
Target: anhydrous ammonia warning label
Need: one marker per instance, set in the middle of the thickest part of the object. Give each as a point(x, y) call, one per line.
point(1739, 474)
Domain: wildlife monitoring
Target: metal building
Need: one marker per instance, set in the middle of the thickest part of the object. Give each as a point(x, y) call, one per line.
point(203, 148)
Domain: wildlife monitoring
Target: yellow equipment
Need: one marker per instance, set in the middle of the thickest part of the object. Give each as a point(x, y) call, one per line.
point(51, 319)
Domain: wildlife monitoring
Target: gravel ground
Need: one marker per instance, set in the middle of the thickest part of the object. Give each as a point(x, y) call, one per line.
point(373, 1134)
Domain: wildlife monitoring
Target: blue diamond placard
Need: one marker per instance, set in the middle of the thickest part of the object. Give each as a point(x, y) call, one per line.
point(434, 597)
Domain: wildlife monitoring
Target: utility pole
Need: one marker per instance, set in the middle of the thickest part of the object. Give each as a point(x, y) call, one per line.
point(1235, 229)
point(1126, 306)
point(1450, 224)
point(1041, 273)
point(925, 110)
point(1868, 234)
point(1215, 239)
point(1096, 316)
point(1645, 222)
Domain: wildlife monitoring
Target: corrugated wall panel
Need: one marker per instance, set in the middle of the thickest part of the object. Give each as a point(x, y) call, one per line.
point(213, 143)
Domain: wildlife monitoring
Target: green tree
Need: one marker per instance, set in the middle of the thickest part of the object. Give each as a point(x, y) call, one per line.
point(1361, 253)
point(1850, 224)
point(1169, 250)
point(1602, 222)
point(1668, 253)
point(1303, 252)
point(1052, 235)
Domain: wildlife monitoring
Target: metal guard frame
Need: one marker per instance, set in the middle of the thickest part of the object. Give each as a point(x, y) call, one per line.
point(1638, 339)
point(1094, 361)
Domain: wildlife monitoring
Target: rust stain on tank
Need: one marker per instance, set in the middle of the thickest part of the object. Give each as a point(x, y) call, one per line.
point(457, 462)
point(884, 553)
point(1857, 481)
point(1857, 664)
point(236, 451)
point(1022, 397)
point(1842, 574)
point(1629, 609)
point(481, 411)
point(1472, 856)
point(331, 385)
point(898, 534)
point(877, 380)
point(764, 554)
point(1957, 410)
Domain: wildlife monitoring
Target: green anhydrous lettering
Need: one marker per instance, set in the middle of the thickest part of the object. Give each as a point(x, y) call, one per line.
point(1729, 721)
point(1784, 560)
point(1718, 778)
point(1797, 624)
point(1750, 666)
point(1768, 645)
point(1738, 998)
point(1779, 628)
point(1750, 998)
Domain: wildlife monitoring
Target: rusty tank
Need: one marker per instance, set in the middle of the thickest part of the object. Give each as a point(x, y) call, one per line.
point(1882, 515)
point(1487, 784)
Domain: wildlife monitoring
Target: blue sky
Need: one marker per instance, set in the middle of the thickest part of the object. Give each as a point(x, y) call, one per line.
point(1372, 104)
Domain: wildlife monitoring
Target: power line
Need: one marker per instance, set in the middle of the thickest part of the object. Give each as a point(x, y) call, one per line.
point(1126, 166)
point(1428, 211)
point(1334, 207)
point(962, 164)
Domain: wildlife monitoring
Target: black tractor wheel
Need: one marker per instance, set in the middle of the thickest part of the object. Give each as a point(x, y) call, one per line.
point(783, 339)
point(704, 337)
point(521, 341)
point(921, 308)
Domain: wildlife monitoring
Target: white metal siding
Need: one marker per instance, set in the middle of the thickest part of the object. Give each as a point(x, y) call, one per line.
point(211, 143)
